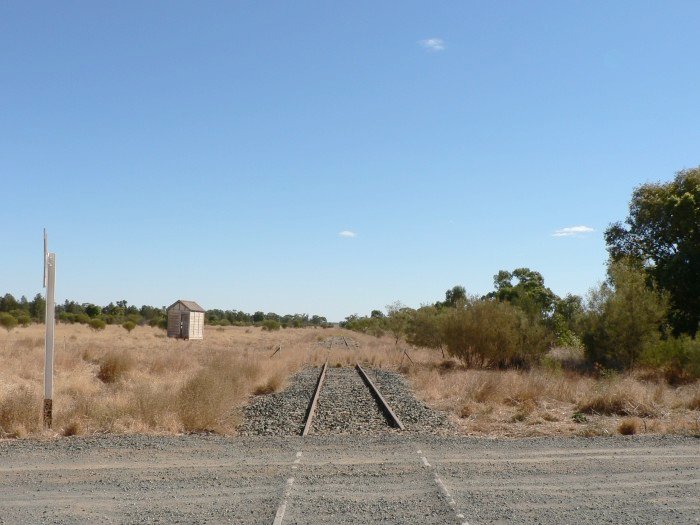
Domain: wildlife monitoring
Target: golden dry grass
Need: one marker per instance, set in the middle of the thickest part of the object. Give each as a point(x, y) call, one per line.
point(628, 426)
point(545, 402)
point(143, 382)
point(113, 381)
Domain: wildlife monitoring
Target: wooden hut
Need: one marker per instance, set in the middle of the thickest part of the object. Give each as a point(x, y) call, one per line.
point(185, 320)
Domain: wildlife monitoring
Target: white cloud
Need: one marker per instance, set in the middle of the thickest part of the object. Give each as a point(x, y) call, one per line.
point(347, 233)
point(433, 44)
point(572, 231)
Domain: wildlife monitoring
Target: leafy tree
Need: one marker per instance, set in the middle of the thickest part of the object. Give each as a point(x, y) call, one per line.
point(397, 319)
point(129, 326)
point(37, 308)
point(8, 302)
point(425, 327)
point(318, 320)
point(566, 320)
point(377, 314)
point(623, 318)
point(92, 310)
point(366, 325)
point(454, 296)
point(662, 234)
point(524, 288)
point(7, 321)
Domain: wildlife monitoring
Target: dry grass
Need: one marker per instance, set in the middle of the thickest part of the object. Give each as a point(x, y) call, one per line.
point(625, 397)
point(20, 410)
point(112, 381)
point(143, 382)
point(628, 426)
point(543, 402)
point(114, 365)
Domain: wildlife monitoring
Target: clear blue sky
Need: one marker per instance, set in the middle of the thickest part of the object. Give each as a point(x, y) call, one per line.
point(216, 150)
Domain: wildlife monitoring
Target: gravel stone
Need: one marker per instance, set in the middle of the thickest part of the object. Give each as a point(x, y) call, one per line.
point(358, 479)
point(346, 405)
point(281, 413)
point(414, 414)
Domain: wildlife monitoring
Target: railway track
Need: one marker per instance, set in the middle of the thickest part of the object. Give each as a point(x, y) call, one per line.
point(345, 400)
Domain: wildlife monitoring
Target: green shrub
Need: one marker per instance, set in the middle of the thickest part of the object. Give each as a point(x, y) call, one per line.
point(622, 321)
point(494, 334)
point(270, 325)
point(129, 326)
point(65, 317)
point(367, 325)
point(82, 318)
point(7, 321)
point(24, 320)
point(96, 324)
point(425, 327)
point(678, 358)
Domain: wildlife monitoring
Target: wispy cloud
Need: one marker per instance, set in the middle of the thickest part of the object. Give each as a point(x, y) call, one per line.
point(347, 233)
point(572, 231)
point(433, 44)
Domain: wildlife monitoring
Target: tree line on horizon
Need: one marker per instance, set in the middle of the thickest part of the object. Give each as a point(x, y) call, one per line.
point(23, 312)
point(645, 314)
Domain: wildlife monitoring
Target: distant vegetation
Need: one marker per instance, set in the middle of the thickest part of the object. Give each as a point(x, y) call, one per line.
point(645, 315)
point(21, 311)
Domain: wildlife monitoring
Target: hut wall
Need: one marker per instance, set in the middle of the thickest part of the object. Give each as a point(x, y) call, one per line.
point(196, 325)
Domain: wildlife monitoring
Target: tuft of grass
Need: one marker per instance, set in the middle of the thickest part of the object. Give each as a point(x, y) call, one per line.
point(628, 426)
point(468, 409)
point(74, 428)
point(273, 384)
point(519, 416)
point(20, 412)
point(114, 365)
point(693, 400)
point(623, 397)
point(446, 365)
point(205, 402)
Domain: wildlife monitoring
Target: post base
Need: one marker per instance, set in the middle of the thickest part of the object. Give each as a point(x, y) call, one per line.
point(48, 412)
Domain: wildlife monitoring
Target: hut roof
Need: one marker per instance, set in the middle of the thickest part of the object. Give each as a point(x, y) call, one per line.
point(190, 305)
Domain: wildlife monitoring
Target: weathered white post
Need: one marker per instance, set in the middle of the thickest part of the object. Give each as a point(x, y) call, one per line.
point(49, 284)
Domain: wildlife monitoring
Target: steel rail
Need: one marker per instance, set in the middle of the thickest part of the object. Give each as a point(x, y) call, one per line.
point(314, 401)
point(382, 402)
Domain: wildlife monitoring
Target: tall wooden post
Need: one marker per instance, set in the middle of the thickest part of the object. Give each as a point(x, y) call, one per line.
point(49, 284)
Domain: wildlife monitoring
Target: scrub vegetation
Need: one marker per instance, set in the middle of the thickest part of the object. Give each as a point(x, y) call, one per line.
point(517, 361)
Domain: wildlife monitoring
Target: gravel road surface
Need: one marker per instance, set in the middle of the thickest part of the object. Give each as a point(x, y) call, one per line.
point(385, 478)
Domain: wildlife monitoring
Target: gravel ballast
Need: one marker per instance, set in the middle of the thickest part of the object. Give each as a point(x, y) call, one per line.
point(345, 405)
point(281, 413)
